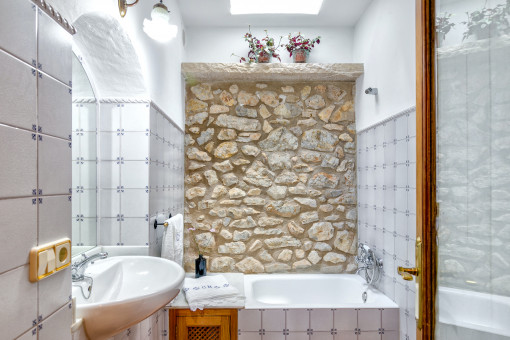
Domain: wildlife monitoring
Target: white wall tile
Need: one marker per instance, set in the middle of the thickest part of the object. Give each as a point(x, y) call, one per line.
point(298, 320)
point(298, 336)
point(135, 117)
point(342, 335)
point(134, 203)
point(249, 320)
point(109, 203)
point(369, 336)
point(134, 232)
point(17, 93)
point(109, 174)
point(389, 319)
point(29, 335)
point(54, 101)
point(322, 336)
point(273, 336)
point(19, 221)
point(55, 176)
point(54, 49)
point(135, 146)
point(109, 117)
point(17, 35)
point(87, 117)
point(54, 292)
point(88, 231)
point(321, 320)
point(18, 152)
point(57, 326)
point(88, 174)
point(109, 232)
point(19, 298)
point(54, 218)
point(369, 319)
point(391, 335)
point(273, 320)
point(249, 336)
point(109, 146)
point(135, 174)
point(88, 203)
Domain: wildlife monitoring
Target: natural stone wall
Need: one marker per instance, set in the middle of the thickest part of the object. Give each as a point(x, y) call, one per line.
point(270, 177)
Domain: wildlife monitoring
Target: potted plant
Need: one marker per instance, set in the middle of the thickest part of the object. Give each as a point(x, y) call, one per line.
point(300, 47)
point(443, 26)
point(488, 21)
point(261, 50)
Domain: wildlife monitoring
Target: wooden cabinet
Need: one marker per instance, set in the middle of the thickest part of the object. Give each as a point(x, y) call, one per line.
point(209, 324)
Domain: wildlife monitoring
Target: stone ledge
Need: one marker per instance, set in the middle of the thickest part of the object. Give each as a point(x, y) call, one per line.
point(270, 72)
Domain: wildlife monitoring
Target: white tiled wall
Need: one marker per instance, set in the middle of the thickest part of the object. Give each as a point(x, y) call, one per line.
point(141, 162)
point(84, 170)
point(318, 324)
point(35, 178)
point(166, 173)
point(387, 206)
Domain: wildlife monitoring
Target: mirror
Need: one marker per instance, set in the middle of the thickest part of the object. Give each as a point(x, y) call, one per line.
point(84, 158)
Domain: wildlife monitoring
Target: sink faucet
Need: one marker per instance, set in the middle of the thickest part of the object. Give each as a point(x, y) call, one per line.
point(78, 268)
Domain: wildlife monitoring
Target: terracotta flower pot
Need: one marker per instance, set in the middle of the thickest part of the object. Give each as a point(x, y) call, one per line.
point(264, 58)
point(300, 56)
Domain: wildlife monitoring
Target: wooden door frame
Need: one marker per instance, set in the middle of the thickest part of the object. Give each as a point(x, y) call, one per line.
point(426, 207)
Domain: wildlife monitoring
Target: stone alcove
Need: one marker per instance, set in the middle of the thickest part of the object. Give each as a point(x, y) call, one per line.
point(270, 167)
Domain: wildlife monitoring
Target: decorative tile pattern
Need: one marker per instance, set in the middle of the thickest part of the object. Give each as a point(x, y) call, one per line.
point(36, 172)
point(387, 205)
point(320, 324)
point(141, 173)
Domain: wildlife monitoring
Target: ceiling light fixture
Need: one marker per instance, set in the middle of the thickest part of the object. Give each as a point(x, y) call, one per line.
point(311, 7)
point(159, 28)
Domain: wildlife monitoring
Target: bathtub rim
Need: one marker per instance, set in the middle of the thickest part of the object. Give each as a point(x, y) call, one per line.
point(251, 303)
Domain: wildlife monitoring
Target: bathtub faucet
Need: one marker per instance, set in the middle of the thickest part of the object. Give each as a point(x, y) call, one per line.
point(369, 264)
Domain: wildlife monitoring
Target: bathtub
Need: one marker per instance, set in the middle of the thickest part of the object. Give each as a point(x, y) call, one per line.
point(315, 307)
point(465, 314)
point(311, 291)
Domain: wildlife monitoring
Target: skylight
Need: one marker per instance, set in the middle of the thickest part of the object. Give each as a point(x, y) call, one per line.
point(238, 7)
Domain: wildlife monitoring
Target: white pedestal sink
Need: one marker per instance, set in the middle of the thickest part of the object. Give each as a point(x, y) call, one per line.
point(126, 290)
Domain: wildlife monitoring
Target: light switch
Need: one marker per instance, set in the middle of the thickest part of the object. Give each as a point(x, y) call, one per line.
point(48, 259)
point(62, 254)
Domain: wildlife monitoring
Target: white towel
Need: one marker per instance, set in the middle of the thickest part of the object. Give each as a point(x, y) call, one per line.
point(172, 245)
point(213, 291)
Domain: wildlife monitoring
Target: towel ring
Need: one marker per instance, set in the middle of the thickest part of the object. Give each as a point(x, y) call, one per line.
point(163, 224)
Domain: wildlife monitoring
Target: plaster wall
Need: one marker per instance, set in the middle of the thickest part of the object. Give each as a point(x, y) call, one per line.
point(216, 44)
point(384, 41)
point(124, 61)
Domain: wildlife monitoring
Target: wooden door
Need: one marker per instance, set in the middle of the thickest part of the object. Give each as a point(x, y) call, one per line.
point(426, 165)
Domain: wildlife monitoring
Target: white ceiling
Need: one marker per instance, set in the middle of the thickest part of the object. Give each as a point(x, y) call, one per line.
point(216, 13)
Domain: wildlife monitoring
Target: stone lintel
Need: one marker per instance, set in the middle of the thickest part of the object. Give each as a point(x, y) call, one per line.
point(270, 72)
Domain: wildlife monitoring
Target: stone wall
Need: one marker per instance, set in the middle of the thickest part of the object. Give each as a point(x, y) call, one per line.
point(270, 179)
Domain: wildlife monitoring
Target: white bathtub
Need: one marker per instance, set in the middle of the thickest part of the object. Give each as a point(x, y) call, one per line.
point(473, 315)
point(275, 291)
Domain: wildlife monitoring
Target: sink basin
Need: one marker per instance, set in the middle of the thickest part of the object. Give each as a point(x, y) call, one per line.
point(125, 291)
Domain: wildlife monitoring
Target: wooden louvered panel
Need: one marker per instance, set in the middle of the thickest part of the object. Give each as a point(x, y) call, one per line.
point(198, 326)
point(204, 333)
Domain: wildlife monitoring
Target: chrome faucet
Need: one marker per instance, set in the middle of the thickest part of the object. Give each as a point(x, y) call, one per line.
point(368, 263)
point(78, 268)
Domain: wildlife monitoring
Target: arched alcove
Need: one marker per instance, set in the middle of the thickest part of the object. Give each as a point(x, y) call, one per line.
point(110, 56)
